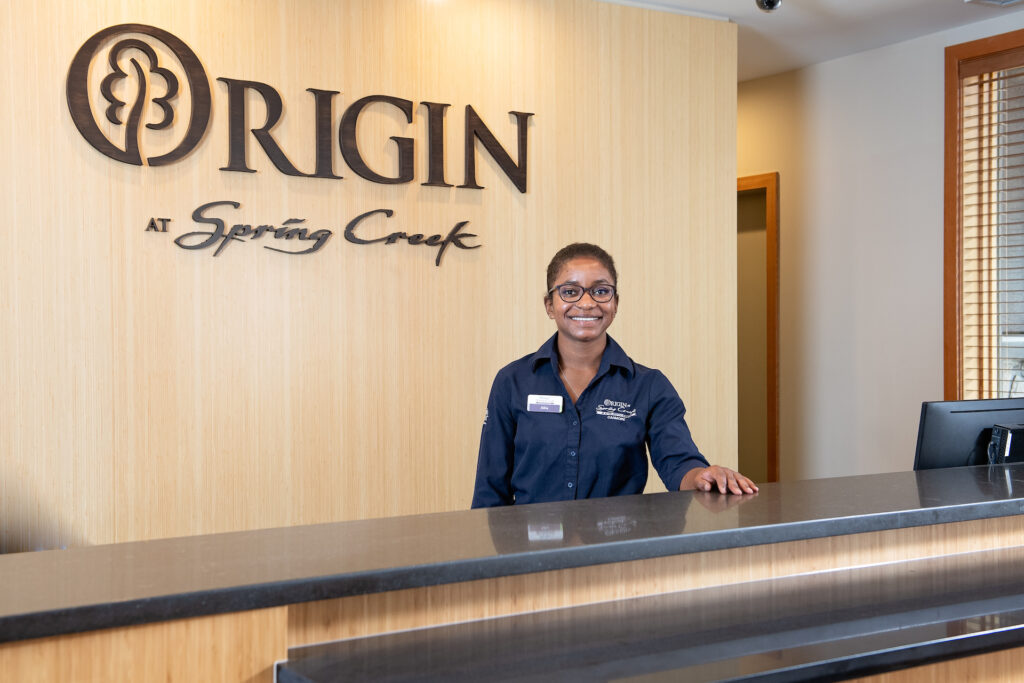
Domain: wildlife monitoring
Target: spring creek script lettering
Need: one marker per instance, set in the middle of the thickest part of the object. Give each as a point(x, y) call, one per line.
point(293, 237)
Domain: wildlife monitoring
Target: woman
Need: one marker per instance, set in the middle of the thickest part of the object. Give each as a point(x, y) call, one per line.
point(575, 419)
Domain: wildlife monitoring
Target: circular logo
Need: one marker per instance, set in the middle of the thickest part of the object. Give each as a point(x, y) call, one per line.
point(155, 86)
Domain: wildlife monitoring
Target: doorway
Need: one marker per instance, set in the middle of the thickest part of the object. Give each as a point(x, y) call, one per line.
point(757, 268)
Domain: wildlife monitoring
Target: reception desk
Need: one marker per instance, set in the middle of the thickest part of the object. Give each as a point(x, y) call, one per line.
point(231, 606)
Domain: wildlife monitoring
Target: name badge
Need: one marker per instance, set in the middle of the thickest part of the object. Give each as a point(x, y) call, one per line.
point(538, 403)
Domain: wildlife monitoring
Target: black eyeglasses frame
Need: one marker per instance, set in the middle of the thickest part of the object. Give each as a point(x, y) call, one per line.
point(585, 290)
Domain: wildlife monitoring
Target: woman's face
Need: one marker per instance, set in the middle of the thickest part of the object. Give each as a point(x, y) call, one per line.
point(586, 319)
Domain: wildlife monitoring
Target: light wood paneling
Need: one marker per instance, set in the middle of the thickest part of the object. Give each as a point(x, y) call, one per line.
point(241, 646)
point(413, 608)
point(1002, 666)
point(150, 391)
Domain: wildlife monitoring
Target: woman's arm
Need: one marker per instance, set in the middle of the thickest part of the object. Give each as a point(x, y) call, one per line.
point(497, 447)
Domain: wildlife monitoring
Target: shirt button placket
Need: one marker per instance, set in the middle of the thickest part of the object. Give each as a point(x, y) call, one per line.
point(572, 462)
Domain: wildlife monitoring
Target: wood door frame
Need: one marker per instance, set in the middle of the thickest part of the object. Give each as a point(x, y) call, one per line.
point(769, 182)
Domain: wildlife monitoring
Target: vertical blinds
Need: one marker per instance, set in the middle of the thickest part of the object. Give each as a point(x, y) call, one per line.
point(991, 164)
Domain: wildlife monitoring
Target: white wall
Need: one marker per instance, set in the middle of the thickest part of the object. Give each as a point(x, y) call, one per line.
point(858, 143)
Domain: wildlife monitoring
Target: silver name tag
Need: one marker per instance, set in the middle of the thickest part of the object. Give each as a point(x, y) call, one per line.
point(539, 403)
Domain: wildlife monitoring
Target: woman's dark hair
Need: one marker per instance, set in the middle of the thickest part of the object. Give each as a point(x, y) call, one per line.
point(580, 250)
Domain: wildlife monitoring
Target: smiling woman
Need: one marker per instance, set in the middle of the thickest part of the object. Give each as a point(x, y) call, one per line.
point(577, 418)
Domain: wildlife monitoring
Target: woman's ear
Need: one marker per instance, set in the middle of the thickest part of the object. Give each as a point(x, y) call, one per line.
point(549, 306)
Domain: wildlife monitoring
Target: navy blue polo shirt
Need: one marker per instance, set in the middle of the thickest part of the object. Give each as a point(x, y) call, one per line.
point(593, 449)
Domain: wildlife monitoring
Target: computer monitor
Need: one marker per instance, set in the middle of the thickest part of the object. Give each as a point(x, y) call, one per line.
point(956, 433)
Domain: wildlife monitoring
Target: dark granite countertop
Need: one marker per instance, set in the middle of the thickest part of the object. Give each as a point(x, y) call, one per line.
point(79, 589)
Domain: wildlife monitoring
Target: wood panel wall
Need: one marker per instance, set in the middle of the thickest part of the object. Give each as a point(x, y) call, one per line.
point(148, 391)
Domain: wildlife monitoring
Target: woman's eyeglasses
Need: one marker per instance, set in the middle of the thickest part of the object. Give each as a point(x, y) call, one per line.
point(570, 293)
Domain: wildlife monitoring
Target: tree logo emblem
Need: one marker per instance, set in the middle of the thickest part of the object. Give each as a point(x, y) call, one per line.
point(134, 71)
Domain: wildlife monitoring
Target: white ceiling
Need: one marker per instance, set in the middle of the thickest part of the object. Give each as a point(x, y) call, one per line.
point(803, 32)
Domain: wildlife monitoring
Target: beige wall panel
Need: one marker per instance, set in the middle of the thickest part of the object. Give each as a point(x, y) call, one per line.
point(240, 646)
point(151, 391)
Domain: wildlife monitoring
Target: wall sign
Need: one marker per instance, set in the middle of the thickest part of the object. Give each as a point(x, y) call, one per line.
point(158, 85)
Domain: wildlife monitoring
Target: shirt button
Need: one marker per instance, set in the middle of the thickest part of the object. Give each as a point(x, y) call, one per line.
point(570, 484)
point(574, 423)
point(572, 453)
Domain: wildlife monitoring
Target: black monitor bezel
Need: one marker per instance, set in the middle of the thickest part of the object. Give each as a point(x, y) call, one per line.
point(996, 406)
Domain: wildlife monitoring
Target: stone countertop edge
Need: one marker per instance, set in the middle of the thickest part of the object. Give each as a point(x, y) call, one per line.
point(276, 593)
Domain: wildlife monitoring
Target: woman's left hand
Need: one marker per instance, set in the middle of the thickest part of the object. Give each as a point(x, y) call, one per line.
point(727, 480)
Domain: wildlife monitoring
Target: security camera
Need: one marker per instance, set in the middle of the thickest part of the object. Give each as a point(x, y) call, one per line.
point(767, 5)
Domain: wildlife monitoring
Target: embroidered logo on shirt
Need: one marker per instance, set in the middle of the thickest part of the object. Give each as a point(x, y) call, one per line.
point(616, 410)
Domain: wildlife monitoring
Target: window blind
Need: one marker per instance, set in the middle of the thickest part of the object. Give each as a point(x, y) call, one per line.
point(991, 222)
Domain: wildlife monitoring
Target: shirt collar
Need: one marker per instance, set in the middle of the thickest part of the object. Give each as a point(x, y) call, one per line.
point(613, 356)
